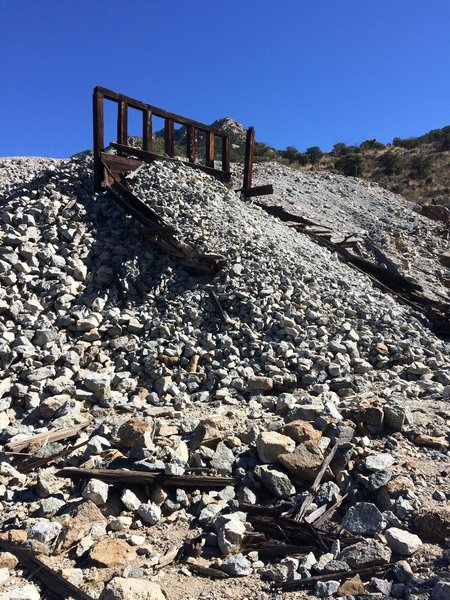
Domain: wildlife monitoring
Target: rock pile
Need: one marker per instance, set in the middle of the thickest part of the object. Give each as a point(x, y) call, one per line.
point(101, 331)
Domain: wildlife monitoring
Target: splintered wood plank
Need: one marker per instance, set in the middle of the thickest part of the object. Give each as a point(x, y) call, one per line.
point(122, 122)
point(191, 143)
point(147, 130)
point(209, 153)
point(169, 137)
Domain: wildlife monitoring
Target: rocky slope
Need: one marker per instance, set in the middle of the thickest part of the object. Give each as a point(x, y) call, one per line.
point(100, 329)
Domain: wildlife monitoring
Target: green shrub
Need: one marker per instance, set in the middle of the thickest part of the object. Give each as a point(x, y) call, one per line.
point(421, 166)
point(351, 165)
point(314, 154)
point(390, 162)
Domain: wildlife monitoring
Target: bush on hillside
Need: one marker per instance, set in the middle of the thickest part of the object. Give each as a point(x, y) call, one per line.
point(352, 165)
point(372, 145)
point(421, 166)
point(390, 163)
point(314, 153)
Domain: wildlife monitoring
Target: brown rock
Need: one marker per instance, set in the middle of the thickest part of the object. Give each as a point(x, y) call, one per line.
point(301, 431)
point(131, 430)
point(304, 462)
point(352, 587)
point(169, 361)
point(433, 524)
point(8, 560)
point(421, 439)
point(112, 553)
point(399, 486)
point(258, 383)
point(78, 525)
point(18, 536)
point(372, 414)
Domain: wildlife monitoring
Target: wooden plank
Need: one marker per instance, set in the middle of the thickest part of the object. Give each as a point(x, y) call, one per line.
point(248, 161)
point(169, 137)
point(147, 130)
point(99, 135)
point(209, 152)
point(150, 157)
point(190, 151)
point(122, 122)
point(260, 190)
point(226, 154)
point(47, 437)
point(119, 164)
point(158, 112)
point(144, 478)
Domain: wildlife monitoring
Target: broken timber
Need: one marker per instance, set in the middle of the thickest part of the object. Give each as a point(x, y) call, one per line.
point(145, 478)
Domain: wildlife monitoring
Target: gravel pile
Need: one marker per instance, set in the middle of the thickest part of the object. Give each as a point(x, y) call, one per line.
point(99, 328)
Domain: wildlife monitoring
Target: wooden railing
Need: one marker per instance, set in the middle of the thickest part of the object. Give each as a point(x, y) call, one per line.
point(146, 153)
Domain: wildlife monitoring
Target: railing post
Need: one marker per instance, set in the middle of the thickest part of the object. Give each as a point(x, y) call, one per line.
point(209, 158)
point(248, 163)
point(98, 138)
point(226, 154)
point(147, 132)
point(169, 141)
point(122, 123)
point(190, 151)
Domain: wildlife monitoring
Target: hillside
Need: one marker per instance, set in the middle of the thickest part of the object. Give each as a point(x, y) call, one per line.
point(277, 426)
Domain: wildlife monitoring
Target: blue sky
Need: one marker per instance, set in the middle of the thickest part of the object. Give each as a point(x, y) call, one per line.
point(301, 72)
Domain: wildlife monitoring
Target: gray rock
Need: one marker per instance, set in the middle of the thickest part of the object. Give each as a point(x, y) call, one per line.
point(275, 481)
point(96, 491)
point(150, 513)
point(441, 591)
point(364, 518)
point(368, 553)
point(237, 566)
point(324, 589)
point(45, 531)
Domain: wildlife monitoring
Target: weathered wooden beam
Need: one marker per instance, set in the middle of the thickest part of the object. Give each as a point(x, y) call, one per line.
point(99, 135)
point(260, 190)
point(209, 152)
point(226, 154)
point(248, 161)
point(144, 478)
point(169, 137)
point(122, 122)
point(190, 151)
point(147, 131)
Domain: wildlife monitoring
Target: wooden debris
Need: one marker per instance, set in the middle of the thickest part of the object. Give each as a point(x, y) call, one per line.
point(32, 463)
point(168, 557)
point(42, 439)
point(125, 478)
point(207, 571)
point(289, 586)
point(225, 319)
point(47, 576)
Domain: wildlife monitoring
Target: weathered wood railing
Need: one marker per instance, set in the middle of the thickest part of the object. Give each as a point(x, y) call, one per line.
point(170, 119)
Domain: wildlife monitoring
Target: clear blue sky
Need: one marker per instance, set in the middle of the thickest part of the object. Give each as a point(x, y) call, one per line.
point(302, 72)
